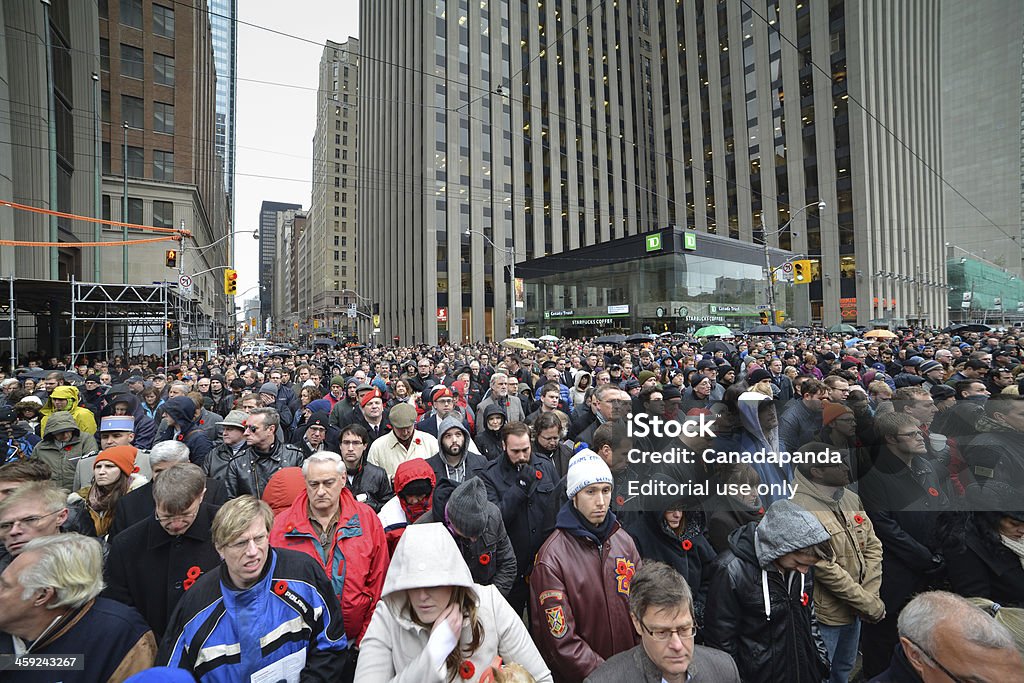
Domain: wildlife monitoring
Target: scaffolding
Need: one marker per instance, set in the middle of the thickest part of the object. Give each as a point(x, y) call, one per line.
point(76, 318)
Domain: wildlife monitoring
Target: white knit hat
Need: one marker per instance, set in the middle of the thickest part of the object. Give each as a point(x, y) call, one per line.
point(586, 468)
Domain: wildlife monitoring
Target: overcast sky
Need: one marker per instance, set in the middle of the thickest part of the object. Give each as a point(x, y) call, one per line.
point(275, 124)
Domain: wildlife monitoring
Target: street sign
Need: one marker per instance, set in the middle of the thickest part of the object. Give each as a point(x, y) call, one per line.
point(376, 320)
point(787, 268)
point(185, 281)
point(763, 307)
point(351, 312)
point(520, 321)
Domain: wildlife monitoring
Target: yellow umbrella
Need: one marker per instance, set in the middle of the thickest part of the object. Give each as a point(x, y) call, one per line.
point(519, 343)
point(880, 334)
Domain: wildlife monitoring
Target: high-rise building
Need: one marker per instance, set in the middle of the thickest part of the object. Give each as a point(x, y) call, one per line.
point(48, 143)
point(268, 223)
point(329, 244)
point(287, 315)
point(224, 27)
point(511, 129)
point(158, 102)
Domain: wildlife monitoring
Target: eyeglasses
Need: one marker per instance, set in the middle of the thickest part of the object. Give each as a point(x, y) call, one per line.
point(181, 516)
point(243, 544)
point(953, 677)
point(352, 443)
point(26, 521)
point(914, 434)
point(254, 428)
point(664, 634)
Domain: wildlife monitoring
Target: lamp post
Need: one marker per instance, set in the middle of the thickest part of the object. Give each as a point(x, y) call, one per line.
point(510, 253)
point(767, 259)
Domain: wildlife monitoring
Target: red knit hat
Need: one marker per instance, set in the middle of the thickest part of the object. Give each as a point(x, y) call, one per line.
point(122, 456)
point(832, 411)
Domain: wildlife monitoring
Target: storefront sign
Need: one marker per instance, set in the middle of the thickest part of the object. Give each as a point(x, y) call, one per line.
point(442, 315)
point(705, 319)
point(690, 241)
point(654, 242)
point(565, 313)
point(595, 321)
point(618, 310)
point(723, 308)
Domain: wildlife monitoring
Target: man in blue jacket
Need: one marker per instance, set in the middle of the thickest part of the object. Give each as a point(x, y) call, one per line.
point(264, 614)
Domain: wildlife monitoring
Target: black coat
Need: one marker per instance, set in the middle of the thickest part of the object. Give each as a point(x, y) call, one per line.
point(527, 503)
point(137, 505)
point(903, 503)
point(250, 471)
point(690, 554)
point(216, 463)
point(147, 567)
point(370, 485)
point(987, 570)
point(475, 463)
point(783, 648)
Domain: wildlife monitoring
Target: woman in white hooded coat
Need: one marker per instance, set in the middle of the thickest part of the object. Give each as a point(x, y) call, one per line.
point(434, 625)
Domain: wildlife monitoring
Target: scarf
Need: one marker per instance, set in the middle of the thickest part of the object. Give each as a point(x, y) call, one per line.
point(103, 498)
point(1016, 545)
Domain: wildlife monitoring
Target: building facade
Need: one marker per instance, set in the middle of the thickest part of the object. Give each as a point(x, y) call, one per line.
point(268, 226)
point(224, 29)
point(288, 316)
point(542, 127)
point(329, 246)
point(161, 167)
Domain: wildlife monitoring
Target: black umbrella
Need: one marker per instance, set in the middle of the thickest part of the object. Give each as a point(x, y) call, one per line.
point(765, 330)
point(36, 373)
point(967, 327)
point(718, 345)
point(279, 354)
point(640, 338)
point(611, 339)
point(73, 378)
point(305, 352)
point(325, 342)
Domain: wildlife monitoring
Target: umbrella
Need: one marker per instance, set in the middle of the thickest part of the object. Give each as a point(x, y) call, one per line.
point(967, 327)
point(611, 339)
point(519, 343)
point(305, 352)
point(718, 345)
point(73, 377)
point(764, 330)
point(640, 338)
point(842, 328)
point(37, 373)
point(548, 338)
point(324, 342)
point(713, 331)
point(880, 334)
point(852, 342)
point(279, 354)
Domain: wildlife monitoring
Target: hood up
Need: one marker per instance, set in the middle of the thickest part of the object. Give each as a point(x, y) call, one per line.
point(61, 421)
point(786, 527)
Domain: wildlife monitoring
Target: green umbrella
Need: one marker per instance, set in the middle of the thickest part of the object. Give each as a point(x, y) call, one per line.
point(713, 331)
point(842, 328)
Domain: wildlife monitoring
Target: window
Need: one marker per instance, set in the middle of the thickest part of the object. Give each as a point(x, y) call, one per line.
point(163, 21)
point(163, 69)
point(106, 208)
point(131, 62)
point(136, 160)
point(163, 165)
point(163, 118)
point(104, 9)
point(106, 158)
point(133, 111)
point(135, 210)
point(131, 13)
point(163, 214)
point(105, 106)
point(335, 240)
point(104, 54)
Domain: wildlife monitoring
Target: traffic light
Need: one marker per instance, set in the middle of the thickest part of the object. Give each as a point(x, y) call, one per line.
point(171, 258)
point(230, 281)
point(764, 317)
point(802, 272)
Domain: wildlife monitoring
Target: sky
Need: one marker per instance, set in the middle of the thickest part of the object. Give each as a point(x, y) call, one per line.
point(275, 123)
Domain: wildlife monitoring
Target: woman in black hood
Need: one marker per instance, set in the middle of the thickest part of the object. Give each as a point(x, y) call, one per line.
point(489, 439)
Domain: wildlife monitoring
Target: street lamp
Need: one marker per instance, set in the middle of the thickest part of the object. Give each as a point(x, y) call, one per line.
point(767, 260)
point(511, 266)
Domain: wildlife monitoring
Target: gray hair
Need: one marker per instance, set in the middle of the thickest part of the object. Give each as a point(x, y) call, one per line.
point(177, 488)
point(921, 616)
point(52, 498)
point(70, 564)
point(270, 415)
point(168, 451)
point(324, 456)
point(180, 386)
point(497, 377)
point(658, 585)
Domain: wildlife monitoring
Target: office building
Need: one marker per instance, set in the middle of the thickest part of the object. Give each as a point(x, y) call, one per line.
point(40, 97)
point(543, 127)
point(328, 246)
point(268, 226)
point(158, 100)
point(286, 313)
point(224, 29)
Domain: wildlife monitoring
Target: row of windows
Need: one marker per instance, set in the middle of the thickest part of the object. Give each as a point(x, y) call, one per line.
point(163, 163)
point(133, 113)
point(133, 63)
point(163, 212)
point(130, 15)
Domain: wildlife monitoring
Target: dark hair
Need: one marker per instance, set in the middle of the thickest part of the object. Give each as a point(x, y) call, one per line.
point(1000, 403)
point(357, 429)
point(811, 386)
point(609, 434)
point(965, 385)
point(546, 421)
point(26, 470)
point(551, 386)
point(515, 429)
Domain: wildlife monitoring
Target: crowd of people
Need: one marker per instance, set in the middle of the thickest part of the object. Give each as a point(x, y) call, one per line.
point(473, 513)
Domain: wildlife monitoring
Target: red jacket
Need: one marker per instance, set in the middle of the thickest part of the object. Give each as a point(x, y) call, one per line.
point(355, 562)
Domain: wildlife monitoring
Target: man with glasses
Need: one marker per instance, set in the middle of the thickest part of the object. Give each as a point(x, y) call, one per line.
point(263, 455)
point(153, 562)
point(33, 510)
point(274, 608)
point(661, 607)
point(944, 638)
point(610, 404)
point(903, 495)
point(368, 482)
